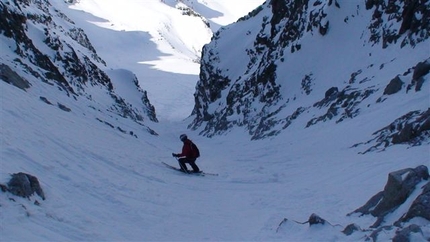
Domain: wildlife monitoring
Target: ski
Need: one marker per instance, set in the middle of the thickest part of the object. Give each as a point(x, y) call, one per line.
point(209, 174)
point(174, 168)
point(190, 172)
point(178, 169)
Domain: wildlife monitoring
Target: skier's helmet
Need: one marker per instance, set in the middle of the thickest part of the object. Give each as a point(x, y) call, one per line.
point(183, 137)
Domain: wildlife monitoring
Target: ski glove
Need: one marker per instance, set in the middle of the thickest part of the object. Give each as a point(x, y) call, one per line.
point(174, 155)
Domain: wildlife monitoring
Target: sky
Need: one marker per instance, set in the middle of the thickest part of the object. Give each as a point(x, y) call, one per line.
point(105, 185)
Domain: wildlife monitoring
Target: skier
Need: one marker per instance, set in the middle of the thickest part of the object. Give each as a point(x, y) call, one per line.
point(188, 155)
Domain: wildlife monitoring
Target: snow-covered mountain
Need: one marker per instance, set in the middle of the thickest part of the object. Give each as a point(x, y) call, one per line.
point(307, 62)
point(303, 107)
point(47, 52)
point(159, 41)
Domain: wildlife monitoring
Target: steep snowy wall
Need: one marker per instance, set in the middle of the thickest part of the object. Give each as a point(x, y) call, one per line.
point(42, 47)
point(306, 62)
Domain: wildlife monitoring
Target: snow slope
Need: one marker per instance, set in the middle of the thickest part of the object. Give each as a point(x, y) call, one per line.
point(105, 185)
point(266, 83)
point(109, 186)
point(156, 41)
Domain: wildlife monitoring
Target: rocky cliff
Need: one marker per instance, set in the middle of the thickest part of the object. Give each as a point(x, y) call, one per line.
point(46, 52)
point(307, 62)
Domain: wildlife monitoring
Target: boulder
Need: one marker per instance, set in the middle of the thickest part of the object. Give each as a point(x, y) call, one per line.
point(350, 229)
point(399, 186)
point(420, 207)
point(24, 185)
point(11, 77)
point(394, 86)
point(421, 69)
point(403, 234)
point(331, 92)
point(315, 219)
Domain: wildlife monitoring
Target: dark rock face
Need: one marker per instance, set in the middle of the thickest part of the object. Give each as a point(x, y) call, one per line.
point(413, 29)
point(343, 105)
point(412, 128)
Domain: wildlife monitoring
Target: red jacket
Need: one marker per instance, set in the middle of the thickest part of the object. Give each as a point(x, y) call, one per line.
point(186, 151)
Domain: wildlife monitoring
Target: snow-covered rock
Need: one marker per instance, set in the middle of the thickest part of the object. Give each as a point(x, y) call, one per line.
point(44, 49)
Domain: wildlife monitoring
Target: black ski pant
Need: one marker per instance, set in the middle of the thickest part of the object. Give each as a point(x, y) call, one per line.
point(183, 161)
